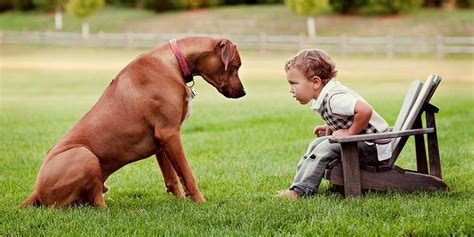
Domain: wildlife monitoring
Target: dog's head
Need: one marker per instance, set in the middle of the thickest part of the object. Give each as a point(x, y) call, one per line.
point(220, 68)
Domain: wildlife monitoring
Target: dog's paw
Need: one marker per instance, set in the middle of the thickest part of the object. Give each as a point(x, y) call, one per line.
point(198, 198)
point(177, 194)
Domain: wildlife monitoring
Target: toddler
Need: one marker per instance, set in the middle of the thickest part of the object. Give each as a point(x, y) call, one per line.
point(311, 76)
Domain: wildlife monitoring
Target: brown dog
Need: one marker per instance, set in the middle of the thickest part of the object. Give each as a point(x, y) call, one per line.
point(139, 114)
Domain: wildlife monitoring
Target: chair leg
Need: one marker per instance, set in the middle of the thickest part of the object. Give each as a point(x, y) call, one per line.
point(433, 151)
point(351, 169)
point(421, 162)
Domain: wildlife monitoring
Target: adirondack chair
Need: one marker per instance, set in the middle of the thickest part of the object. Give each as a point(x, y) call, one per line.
point(355, 177)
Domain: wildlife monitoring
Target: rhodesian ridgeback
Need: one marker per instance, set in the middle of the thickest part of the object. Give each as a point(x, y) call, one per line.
point(139, 114)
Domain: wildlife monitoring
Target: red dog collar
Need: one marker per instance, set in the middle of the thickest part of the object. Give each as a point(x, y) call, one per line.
point(188, 77)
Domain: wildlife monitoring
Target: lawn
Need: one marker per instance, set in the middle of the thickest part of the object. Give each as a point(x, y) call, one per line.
point(253, 20)
point(241, 151)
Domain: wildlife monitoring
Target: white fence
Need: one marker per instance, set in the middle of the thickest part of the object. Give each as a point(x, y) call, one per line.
point(386, 45)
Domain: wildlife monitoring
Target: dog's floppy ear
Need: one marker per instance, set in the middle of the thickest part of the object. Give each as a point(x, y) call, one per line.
point(227, 52)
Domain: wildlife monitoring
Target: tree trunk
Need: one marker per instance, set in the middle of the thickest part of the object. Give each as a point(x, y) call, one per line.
point(311, 27)
point(58, 18)
point(85, 30)
point(449, 4)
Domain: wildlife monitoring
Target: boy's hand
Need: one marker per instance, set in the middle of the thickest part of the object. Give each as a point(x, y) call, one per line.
point(341, 133)
point(362, 114)
point(322, 130)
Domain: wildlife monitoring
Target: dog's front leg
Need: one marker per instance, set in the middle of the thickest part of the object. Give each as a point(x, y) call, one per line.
point(169, 174)
point(170, 140)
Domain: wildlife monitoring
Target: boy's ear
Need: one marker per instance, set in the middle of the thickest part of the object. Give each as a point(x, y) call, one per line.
point(317, 82)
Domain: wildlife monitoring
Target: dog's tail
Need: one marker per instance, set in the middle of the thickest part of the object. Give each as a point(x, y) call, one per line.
point(31, 200)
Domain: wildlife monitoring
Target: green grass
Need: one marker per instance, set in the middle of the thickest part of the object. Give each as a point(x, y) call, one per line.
point(269, 19)
point(108, 19)
point(241, 151)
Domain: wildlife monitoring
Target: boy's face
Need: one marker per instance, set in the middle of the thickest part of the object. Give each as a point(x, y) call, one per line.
point(301, 88)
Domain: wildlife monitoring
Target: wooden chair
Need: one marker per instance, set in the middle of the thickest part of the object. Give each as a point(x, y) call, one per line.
point(355, 177)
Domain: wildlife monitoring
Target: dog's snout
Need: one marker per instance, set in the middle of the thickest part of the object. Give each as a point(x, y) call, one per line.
point(229, 93)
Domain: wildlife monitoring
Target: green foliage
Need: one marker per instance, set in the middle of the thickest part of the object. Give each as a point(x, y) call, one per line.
point(346, 6)
point(162, 5)
point(84, 8)
point(165, 5)
point(376, 6)
point(200, 3)
point(49, 4)
point(432, 3)
point(127, 3)
point(269, 1)
point(250, 2)
point(6, 5)
point(23, 5)
point(465, 3)
point(391, 6)
point(307, 7)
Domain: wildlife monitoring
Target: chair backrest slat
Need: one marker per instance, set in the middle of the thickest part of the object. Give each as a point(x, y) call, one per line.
point(412, 107)
point(424, 97)
point(410, 99)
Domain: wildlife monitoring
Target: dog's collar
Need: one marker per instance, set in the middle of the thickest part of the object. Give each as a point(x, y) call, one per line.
point(188, 77)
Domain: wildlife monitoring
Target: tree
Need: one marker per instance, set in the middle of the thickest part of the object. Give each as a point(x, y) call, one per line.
point(449, 4)
point(82, 9)
point(58, 9)
point(347, 6)
point(387, 7)
point(379, 7)
point(309, 8)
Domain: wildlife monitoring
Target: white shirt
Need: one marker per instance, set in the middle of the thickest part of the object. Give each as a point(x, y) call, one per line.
point(343, 105)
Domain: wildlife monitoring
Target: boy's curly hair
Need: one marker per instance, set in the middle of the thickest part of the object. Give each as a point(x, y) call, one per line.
point(313, 62)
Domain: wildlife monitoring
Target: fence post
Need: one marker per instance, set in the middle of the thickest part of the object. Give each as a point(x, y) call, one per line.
point(343, 41)
point(301, 42)
point(40, 37)
point(101, 39)
point(439, 47)
point(49, 38)
point(389, 47)
point(263, 43)
point(129, 42)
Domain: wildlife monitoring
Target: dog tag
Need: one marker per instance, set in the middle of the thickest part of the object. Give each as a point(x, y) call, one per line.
point(193, 93)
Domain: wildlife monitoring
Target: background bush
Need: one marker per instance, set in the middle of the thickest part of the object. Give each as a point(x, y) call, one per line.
point(5, 5)
point(162, 5)
point(340, 6)
point(307, 7)
point(465, 3)
point(347, 6)
point(376, 6)
point(23, 5)
point(84, 8)
point(126, 3)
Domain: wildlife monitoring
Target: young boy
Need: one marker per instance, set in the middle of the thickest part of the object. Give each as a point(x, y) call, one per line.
point(310, 75)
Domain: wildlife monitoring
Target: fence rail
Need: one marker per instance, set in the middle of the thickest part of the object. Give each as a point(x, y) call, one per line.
point(387, 45)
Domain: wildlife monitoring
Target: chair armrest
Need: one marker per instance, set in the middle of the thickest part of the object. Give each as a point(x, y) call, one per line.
point(384, 135)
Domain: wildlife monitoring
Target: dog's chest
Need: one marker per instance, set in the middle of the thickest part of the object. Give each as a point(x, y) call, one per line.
point(188, 112)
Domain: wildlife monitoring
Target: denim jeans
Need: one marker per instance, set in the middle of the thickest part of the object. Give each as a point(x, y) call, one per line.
point(320, 152)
